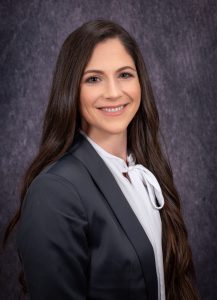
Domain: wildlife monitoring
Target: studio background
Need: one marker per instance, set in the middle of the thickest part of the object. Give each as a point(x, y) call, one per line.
point(178, 40)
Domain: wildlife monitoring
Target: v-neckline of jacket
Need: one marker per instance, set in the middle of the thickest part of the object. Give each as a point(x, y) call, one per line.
point(87, 155)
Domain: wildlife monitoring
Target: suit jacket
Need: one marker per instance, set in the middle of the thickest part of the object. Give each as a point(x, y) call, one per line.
point(78, 237)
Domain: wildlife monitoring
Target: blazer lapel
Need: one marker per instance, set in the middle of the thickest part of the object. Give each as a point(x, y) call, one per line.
point(85, 152)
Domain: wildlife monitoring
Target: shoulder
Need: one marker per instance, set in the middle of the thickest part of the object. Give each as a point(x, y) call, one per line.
point(67, 170)
point(53, 198)
point(52, 204)
point(58, 183)
point(67, 167)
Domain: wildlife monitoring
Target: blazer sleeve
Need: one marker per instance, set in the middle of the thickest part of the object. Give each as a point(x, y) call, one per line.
point(52, 240)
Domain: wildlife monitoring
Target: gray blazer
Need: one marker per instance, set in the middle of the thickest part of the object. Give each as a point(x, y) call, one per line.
point(78, 237)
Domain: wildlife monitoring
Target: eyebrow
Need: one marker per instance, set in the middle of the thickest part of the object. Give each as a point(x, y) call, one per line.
point(101, 72)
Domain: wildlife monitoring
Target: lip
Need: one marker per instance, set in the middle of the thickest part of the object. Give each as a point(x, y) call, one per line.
point(114, 113)
point(114, 106)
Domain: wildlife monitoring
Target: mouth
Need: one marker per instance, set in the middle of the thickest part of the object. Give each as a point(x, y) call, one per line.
point(113, 110)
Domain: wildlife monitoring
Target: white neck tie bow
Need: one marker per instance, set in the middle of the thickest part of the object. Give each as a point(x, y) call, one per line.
point(148, 178)
point(153, 187)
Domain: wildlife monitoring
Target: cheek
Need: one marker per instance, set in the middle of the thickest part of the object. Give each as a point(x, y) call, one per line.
point(82, 107)
point(138, 94)
point(133, 86)
point(134, 91)
point(86, 107)
point(85, 101)
point(87, 97)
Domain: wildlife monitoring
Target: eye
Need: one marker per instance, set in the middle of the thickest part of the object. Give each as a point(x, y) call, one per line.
point(126, 75)
point(92, 79)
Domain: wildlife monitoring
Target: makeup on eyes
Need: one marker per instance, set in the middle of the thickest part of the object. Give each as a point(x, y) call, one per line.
point(87, 80)
point(101, 72)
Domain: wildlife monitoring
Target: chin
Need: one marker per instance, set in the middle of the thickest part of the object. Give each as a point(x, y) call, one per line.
point(116, 130)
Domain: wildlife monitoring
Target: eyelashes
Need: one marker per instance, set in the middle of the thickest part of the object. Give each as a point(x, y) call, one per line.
point(95, 79)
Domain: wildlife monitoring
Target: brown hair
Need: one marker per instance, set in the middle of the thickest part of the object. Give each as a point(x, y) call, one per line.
point(62, 122)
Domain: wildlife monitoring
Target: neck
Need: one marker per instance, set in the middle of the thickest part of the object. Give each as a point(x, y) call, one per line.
point(115, 144)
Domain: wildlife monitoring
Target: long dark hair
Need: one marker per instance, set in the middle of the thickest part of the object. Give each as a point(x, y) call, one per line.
point(62, 122)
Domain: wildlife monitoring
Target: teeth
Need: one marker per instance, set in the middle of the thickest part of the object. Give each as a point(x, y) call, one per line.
point(113, 109)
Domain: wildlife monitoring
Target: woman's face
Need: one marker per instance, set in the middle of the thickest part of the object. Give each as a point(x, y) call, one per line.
point(110, 91)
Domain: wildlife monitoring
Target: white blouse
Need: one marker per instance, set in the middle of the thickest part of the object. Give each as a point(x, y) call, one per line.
point(141, 194)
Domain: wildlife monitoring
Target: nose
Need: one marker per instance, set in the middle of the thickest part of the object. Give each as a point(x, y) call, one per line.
point(112, 89)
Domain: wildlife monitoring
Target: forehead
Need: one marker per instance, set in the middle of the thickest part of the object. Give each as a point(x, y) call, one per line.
point(110, 53)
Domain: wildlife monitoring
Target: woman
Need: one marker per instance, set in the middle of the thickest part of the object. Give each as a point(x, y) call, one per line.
point(100, 215)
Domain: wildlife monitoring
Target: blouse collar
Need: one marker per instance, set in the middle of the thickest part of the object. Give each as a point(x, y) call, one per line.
point(148, 178)
point(119, 162)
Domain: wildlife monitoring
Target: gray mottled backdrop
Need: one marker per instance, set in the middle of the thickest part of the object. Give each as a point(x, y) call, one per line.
point(178, 41)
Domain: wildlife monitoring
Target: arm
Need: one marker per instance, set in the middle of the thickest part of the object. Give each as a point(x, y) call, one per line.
point(52, 240)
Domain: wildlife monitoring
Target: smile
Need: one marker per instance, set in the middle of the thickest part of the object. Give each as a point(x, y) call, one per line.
point(113, 111)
